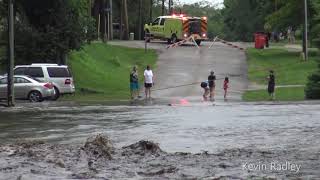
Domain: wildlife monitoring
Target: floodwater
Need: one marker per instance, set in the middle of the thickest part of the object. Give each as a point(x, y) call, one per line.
point(221, 140)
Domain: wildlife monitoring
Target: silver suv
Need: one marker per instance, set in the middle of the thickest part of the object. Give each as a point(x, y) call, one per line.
point(59, 75)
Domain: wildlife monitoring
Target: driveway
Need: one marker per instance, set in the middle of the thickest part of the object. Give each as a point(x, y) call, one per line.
point(187, 64)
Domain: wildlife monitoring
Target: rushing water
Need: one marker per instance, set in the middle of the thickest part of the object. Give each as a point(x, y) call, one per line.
point(247, 136)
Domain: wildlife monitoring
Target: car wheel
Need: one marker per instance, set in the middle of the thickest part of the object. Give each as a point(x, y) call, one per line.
point(57, 94)
point(35, 96)
point(174, 39)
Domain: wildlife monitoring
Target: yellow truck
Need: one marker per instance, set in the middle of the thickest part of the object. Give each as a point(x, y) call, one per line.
point(177, 27)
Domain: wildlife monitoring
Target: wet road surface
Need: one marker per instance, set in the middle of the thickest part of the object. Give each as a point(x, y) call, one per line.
point(189, 139)
point(228, 136)
point(187, 64)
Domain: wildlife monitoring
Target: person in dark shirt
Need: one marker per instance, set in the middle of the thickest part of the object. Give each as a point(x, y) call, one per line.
point(271, 84)
point(134, 83)
point(212, 84)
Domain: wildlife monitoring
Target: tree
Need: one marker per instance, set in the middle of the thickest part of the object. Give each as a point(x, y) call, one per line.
point(243, 18)
point(47, 30)
point(312, 89)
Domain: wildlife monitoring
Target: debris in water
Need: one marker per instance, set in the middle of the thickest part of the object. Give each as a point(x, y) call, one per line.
point(142, 148)
point(99, 146)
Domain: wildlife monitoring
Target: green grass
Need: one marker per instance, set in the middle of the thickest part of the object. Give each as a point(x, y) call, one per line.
point(101, 71)
point(282, 94)
point(288, 66)
point(289, 70)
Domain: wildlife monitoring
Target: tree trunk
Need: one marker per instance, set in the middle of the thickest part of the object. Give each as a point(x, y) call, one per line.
point(126, 23)
point(140, 21)
point(121, 20)
point(162, 9)
point(150, 10)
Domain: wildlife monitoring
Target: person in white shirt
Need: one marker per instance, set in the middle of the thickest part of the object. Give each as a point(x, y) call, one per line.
point(148, 81)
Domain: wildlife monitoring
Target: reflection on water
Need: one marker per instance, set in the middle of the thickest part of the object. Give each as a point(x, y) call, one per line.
point(191, 128)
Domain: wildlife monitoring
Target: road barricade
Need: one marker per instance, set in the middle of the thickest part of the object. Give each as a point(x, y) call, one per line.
point(227, 43)
point(182, 42)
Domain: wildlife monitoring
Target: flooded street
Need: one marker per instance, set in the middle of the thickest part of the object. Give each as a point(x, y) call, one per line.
point(196, 140)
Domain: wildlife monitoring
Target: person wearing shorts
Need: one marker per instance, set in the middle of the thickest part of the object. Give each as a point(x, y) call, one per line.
point(148, 81)
point(212, 84)
point(134, 83)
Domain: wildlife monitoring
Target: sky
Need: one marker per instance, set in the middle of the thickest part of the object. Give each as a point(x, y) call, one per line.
point(193, 1)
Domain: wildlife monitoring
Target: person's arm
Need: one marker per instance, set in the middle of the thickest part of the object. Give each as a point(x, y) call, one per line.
point(152, 77)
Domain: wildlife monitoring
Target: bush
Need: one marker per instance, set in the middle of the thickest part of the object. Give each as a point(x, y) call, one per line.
point(312, 89)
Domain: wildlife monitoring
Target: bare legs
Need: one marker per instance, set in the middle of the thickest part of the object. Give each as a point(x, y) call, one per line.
point(212, 93)
point(148, 92)
point(206, 93)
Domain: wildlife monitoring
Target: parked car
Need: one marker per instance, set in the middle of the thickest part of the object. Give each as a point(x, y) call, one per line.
point(59, 75)
point(27, 88)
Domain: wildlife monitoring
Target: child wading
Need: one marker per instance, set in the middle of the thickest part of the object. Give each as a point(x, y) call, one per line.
point(271, 84)
point(134, 83)
point(225, 87)
point(205, 86)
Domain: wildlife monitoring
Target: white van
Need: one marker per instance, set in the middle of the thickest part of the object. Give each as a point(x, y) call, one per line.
point(59, 75)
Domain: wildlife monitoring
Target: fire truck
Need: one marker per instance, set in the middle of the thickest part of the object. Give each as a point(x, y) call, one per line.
point(177, 27)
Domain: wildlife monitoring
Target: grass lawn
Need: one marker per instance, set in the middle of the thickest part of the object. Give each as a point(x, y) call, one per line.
point(282, 94)
point(101, 71)
point(289, 70)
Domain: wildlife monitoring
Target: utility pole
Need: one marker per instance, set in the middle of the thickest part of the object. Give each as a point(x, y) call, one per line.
point(305, 30)
point(10, 85)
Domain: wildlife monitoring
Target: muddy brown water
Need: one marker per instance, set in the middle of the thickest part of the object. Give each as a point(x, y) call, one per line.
point(195, 140)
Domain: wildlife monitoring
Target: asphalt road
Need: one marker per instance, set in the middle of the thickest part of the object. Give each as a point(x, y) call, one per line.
point(187, 64)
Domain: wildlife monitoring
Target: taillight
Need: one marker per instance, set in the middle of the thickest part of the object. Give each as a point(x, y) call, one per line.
point(48, 85)
point(67, 81)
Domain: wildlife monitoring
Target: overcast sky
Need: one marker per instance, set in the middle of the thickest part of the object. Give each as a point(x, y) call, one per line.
point(215, 2)
point(193, 1)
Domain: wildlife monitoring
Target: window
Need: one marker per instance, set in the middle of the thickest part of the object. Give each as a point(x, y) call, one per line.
point(35, 72)
point(162, 21)
point(20, 80)
point(3, 81)
point(156, 22)
point(20, 71)
point(58, 72)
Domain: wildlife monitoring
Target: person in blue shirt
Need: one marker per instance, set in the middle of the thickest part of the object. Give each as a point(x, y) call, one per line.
point(134, 83)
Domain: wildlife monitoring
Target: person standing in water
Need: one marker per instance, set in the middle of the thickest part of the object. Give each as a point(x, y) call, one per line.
point(205, 86)
point(212, 84)
point(225, 87)
point(148, 81)
point(271, 84)
point(134, 83)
